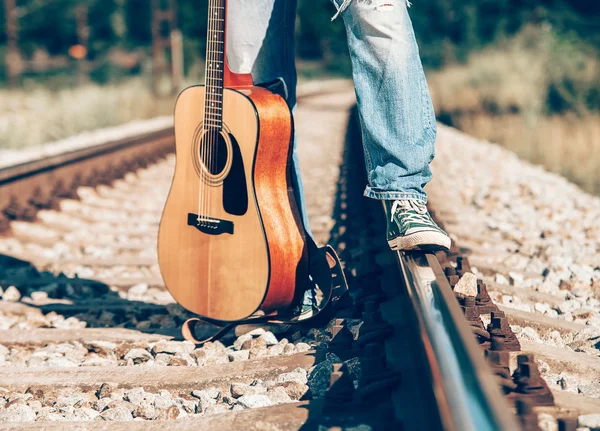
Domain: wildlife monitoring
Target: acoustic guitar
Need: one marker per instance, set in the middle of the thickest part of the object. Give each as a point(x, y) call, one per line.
point(231, 243)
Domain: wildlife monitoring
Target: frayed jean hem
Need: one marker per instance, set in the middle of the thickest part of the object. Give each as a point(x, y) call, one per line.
point(394, 195)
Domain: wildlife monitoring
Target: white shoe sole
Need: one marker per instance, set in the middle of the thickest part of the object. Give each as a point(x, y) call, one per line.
point(425, 240)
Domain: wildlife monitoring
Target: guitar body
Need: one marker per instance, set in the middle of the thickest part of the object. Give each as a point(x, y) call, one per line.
point(230, 240)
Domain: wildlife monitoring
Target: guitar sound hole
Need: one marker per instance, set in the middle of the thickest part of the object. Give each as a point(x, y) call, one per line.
point(213, 152)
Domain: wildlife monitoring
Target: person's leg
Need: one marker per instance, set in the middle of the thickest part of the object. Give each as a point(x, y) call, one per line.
point(260, 40)
point(396, 113)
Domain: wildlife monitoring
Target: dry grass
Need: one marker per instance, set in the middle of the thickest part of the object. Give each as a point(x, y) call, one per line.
point(36, 116)
point(567, 145)
point(536, 95)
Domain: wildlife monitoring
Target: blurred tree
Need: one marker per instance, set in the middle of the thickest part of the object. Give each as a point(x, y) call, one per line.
point(447, 30)
point(138, 18)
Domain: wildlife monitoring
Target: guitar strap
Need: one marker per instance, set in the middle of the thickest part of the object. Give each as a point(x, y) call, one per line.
point(326, 285)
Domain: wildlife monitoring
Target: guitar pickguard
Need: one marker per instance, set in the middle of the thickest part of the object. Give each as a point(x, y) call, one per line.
point(235, 189)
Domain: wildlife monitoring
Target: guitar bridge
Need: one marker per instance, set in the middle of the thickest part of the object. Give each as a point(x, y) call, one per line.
point(210, 225)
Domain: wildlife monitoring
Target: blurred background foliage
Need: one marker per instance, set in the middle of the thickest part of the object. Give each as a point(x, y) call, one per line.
point(524, 73)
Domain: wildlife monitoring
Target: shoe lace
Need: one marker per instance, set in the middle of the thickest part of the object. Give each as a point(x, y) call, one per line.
point(411, 211)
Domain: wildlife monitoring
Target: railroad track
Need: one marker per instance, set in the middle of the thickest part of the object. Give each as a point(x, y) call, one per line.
point(395, 353)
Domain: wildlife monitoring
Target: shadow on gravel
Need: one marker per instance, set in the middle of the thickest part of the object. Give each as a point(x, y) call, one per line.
point(88, 301)
point(341, 406)
point(382, 380)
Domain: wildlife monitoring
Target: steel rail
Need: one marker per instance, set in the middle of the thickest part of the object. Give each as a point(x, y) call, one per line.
point(35, 167)
point(466, 391)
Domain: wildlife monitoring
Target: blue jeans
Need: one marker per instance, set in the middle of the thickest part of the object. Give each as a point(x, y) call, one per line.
point(396, 113)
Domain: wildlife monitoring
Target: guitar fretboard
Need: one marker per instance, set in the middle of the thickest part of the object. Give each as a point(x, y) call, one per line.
point(215, 48)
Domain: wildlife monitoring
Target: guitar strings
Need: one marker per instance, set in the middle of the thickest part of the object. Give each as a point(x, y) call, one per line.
point(206, 141)
point(214, 97)
point(202, 142)
point(216, 70)
point(211, 91)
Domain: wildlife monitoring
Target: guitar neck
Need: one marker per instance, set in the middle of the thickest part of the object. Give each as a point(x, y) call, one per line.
point(215, 64)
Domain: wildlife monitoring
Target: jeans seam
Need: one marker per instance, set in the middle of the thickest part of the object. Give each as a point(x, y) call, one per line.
point(368, 161)
point(393, 195)
point(427, 103)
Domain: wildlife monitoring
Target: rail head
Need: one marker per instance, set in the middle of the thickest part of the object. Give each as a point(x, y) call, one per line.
point(467, 393)
point(33, 167)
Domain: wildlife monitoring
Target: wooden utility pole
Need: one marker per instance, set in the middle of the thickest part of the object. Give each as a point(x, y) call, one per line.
point(166, 46)
point(12, 59)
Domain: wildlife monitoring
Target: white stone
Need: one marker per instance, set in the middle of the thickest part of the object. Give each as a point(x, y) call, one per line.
point(214, 409)
point(102, 404)
point(145, 412)
point(299, 375)
point(17, 413)
point(241, 355)
point(241, 389)
point(237, 345)
point(302, 347)
point(163, 402)
point(11, 294)
point(85, 414)
point(61, 362)
point(173, 347)
point(591, 390)
point(530, 334)
point(137, 291)
point(515, 278)
point(269, 338)
point(500, 279)
point(207, 396)
point(135, 396)
point(278, 395)
point(590, 421)
point(101, 346)
point(69, 400)
point(39, 296)
point(547, 422)
point(119, 413)
point(255, 401)
point(467, 285)
point(554, 338)
point(139, 355)
point(568, 383)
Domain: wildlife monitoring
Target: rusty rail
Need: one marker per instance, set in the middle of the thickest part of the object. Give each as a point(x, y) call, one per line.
point(28, 187)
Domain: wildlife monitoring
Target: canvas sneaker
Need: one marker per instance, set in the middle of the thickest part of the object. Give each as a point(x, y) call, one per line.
point(410, 227)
